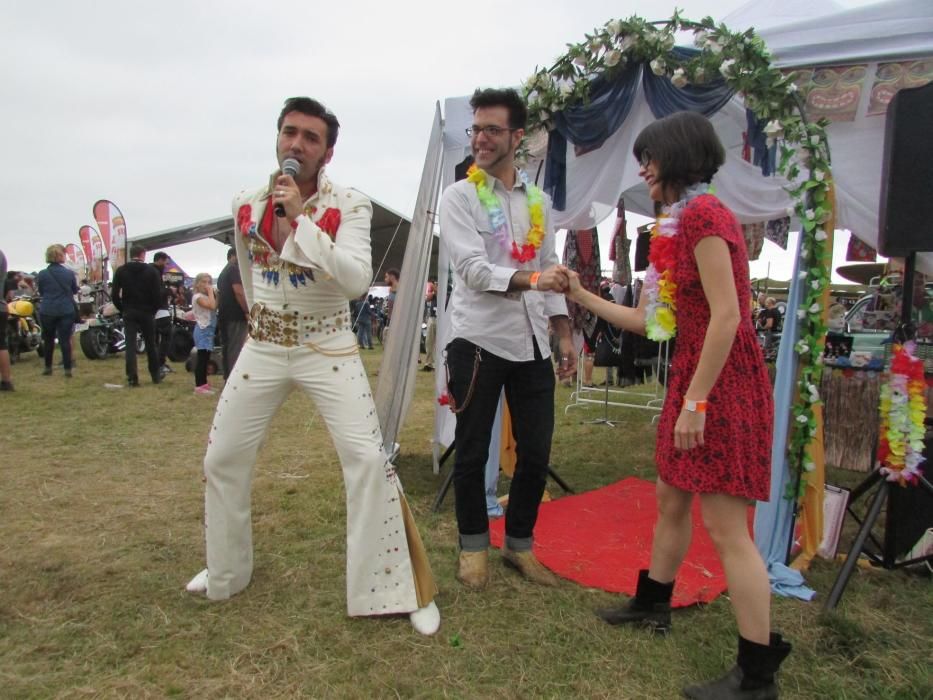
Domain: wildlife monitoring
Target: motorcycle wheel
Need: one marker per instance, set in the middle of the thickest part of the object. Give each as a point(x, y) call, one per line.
point(180, 344)
point(94, 343)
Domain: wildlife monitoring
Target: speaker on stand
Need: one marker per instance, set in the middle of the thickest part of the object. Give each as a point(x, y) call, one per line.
point(905, 216)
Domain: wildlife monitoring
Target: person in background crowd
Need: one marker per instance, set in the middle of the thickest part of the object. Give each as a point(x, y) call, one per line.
point(769, 322)
point(204, 306)
point(391, 278)
point(11, 285)
point(303, 245)
point(136, 293)
point(430, 319)
point(57, 286)
point(364, 322)
point(232, 312)
point(714, 435)
point(6, 376)
point(179, 297)
point(499, 314)
point(26, 285)
point(163, 317)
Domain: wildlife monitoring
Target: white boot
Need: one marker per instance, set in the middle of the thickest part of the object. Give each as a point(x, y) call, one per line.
point(426, 620)
point(198, 584)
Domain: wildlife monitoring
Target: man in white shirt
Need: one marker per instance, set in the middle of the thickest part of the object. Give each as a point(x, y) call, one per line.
point(497, 230)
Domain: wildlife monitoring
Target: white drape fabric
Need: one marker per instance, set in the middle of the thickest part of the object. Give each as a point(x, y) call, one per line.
point(397, 370)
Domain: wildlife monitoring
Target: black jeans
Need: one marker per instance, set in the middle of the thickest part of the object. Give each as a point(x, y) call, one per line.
point(163, 333)
point(200, 367)
point(61, 327)
point(136, 321)
point(529, 390)
point(234, 335)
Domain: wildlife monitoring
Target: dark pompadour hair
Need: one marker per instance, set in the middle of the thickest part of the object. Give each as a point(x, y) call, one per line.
point(312, 108)
point(508, 98)
point(685, 147)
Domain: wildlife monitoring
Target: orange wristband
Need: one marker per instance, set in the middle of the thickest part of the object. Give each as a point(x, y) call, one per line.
point(695, 406)
point(533, 280)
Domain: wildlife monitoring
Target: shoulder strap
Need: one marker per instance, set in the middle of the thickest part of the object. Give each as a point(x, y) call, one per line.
point(58, 282)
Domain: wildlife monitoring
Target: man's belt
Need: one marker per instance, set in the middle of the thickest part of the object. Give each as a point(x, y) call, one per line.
point(293, 328)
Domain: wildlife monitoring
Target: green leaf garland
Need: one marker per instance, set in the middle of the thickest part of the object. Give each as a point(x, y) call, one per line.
point(743, 60)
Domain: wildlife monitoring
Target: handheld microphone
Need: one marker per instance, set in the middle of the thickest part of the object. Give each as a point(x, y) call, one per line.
point(290, 167)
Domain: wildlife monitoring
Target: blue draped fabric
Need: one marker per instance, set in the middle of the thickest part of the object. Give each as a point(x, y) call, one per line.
point(664, 98)
point(555, 171)
point(762, 154)
point(774, 519)
point(588, 126)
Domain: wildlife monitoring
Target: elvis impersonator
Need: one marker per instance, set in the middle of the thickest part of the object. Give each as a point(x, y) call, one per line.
point(303, 248)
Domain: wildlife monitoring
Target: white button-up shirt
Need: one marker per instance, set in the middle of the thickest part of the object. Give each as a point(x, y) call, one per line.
point(482, 311)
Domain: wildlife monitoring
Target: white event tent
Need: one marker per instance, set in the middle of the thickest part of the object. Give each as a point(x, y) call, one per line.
point(800, 35)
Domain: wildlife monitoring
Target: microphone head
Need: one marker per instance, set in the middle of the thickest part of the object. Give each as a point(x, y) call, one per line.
point(290, 167)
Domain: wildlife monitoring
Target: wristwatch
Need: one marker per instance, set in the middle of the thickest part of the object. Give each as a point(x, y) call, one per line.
point(695, 406)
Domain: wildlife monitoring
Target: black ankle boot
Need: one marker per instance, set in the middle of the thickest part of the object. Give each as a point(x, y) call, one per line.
point(650, 607)
point(752, 678)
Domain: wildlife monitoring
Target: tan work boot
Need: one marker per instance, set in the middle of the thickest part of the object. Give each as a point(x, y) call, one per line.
point(527, 564)
point(473, 569)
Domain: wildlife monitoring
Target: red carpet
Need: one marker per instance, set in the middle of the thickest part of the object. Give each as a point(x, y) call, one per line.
point(602, 538)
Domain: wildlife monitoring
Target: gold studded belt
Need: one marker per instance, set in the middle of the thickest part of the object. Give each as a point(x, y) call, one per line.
point(293, 328)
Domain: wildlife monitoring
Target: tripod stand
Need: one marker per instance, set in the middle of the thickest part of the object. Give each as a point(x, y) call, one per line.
point(886, 552)
point(448, 480)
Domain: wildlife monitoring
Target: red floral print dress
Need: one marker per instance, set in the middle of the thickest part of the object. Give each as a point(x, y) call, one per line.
point(736, 456)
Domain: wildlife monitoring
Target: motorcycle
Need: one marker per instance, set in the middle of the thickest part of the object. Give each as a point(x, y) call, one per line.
point(105, 335)
point(23, 331)
point(181, 337)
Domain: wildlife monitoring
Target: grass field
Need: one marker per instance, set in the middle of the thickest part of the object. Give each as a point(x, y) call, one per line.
point(102, 505)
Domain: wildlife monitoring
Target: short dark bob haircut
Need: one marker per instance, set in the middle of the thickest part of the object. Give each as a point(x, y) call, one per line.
point(508, 98)
point(312, 108)
point(685, 148)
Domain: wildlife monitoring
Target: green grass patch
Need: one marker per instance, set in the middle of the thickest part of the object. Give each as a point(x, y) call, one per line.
point(102, 511)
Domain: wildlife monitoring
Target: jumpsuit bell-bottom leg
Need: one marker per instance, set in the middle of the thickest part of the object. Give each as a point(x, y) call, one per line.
point(380, 573)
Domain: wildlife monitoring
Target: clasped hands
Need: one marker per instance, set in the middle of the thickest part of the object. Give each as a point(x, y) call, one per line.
point(560, 279)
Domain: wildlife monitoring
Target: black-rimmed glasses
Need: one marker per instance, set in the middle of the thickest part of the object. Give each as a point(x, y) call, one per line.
point(491, 131)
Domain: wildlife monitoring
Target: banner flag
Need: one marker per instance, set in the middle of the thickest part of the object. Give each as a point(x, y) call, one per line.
point(95, 258)
point(74, 256)
point(112, 228)
point(84, 234)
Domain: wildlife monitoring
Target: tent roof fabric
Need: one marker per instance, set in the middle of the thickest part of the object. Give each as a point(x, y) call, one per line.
point(885, 31)
point(389, 233)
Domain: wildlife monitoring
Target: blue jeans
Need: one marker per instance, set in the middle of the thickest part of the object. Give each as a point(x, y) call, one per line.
point(364, 333)
point(529, 390)
point(60, 327)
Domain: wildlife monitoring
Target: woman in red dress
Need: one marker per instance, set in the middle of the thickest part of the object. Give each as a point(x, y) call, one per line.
point(714, 436)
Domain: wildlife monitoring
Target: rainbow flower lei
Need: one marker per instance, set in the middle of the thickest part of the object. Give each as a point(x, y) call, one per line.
point(500, 227)
point(660, 288)
point(903, 408)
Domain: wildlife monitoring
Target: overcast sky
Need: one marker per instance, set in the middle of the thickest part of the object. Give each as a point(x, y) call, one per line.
point(168, 108)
